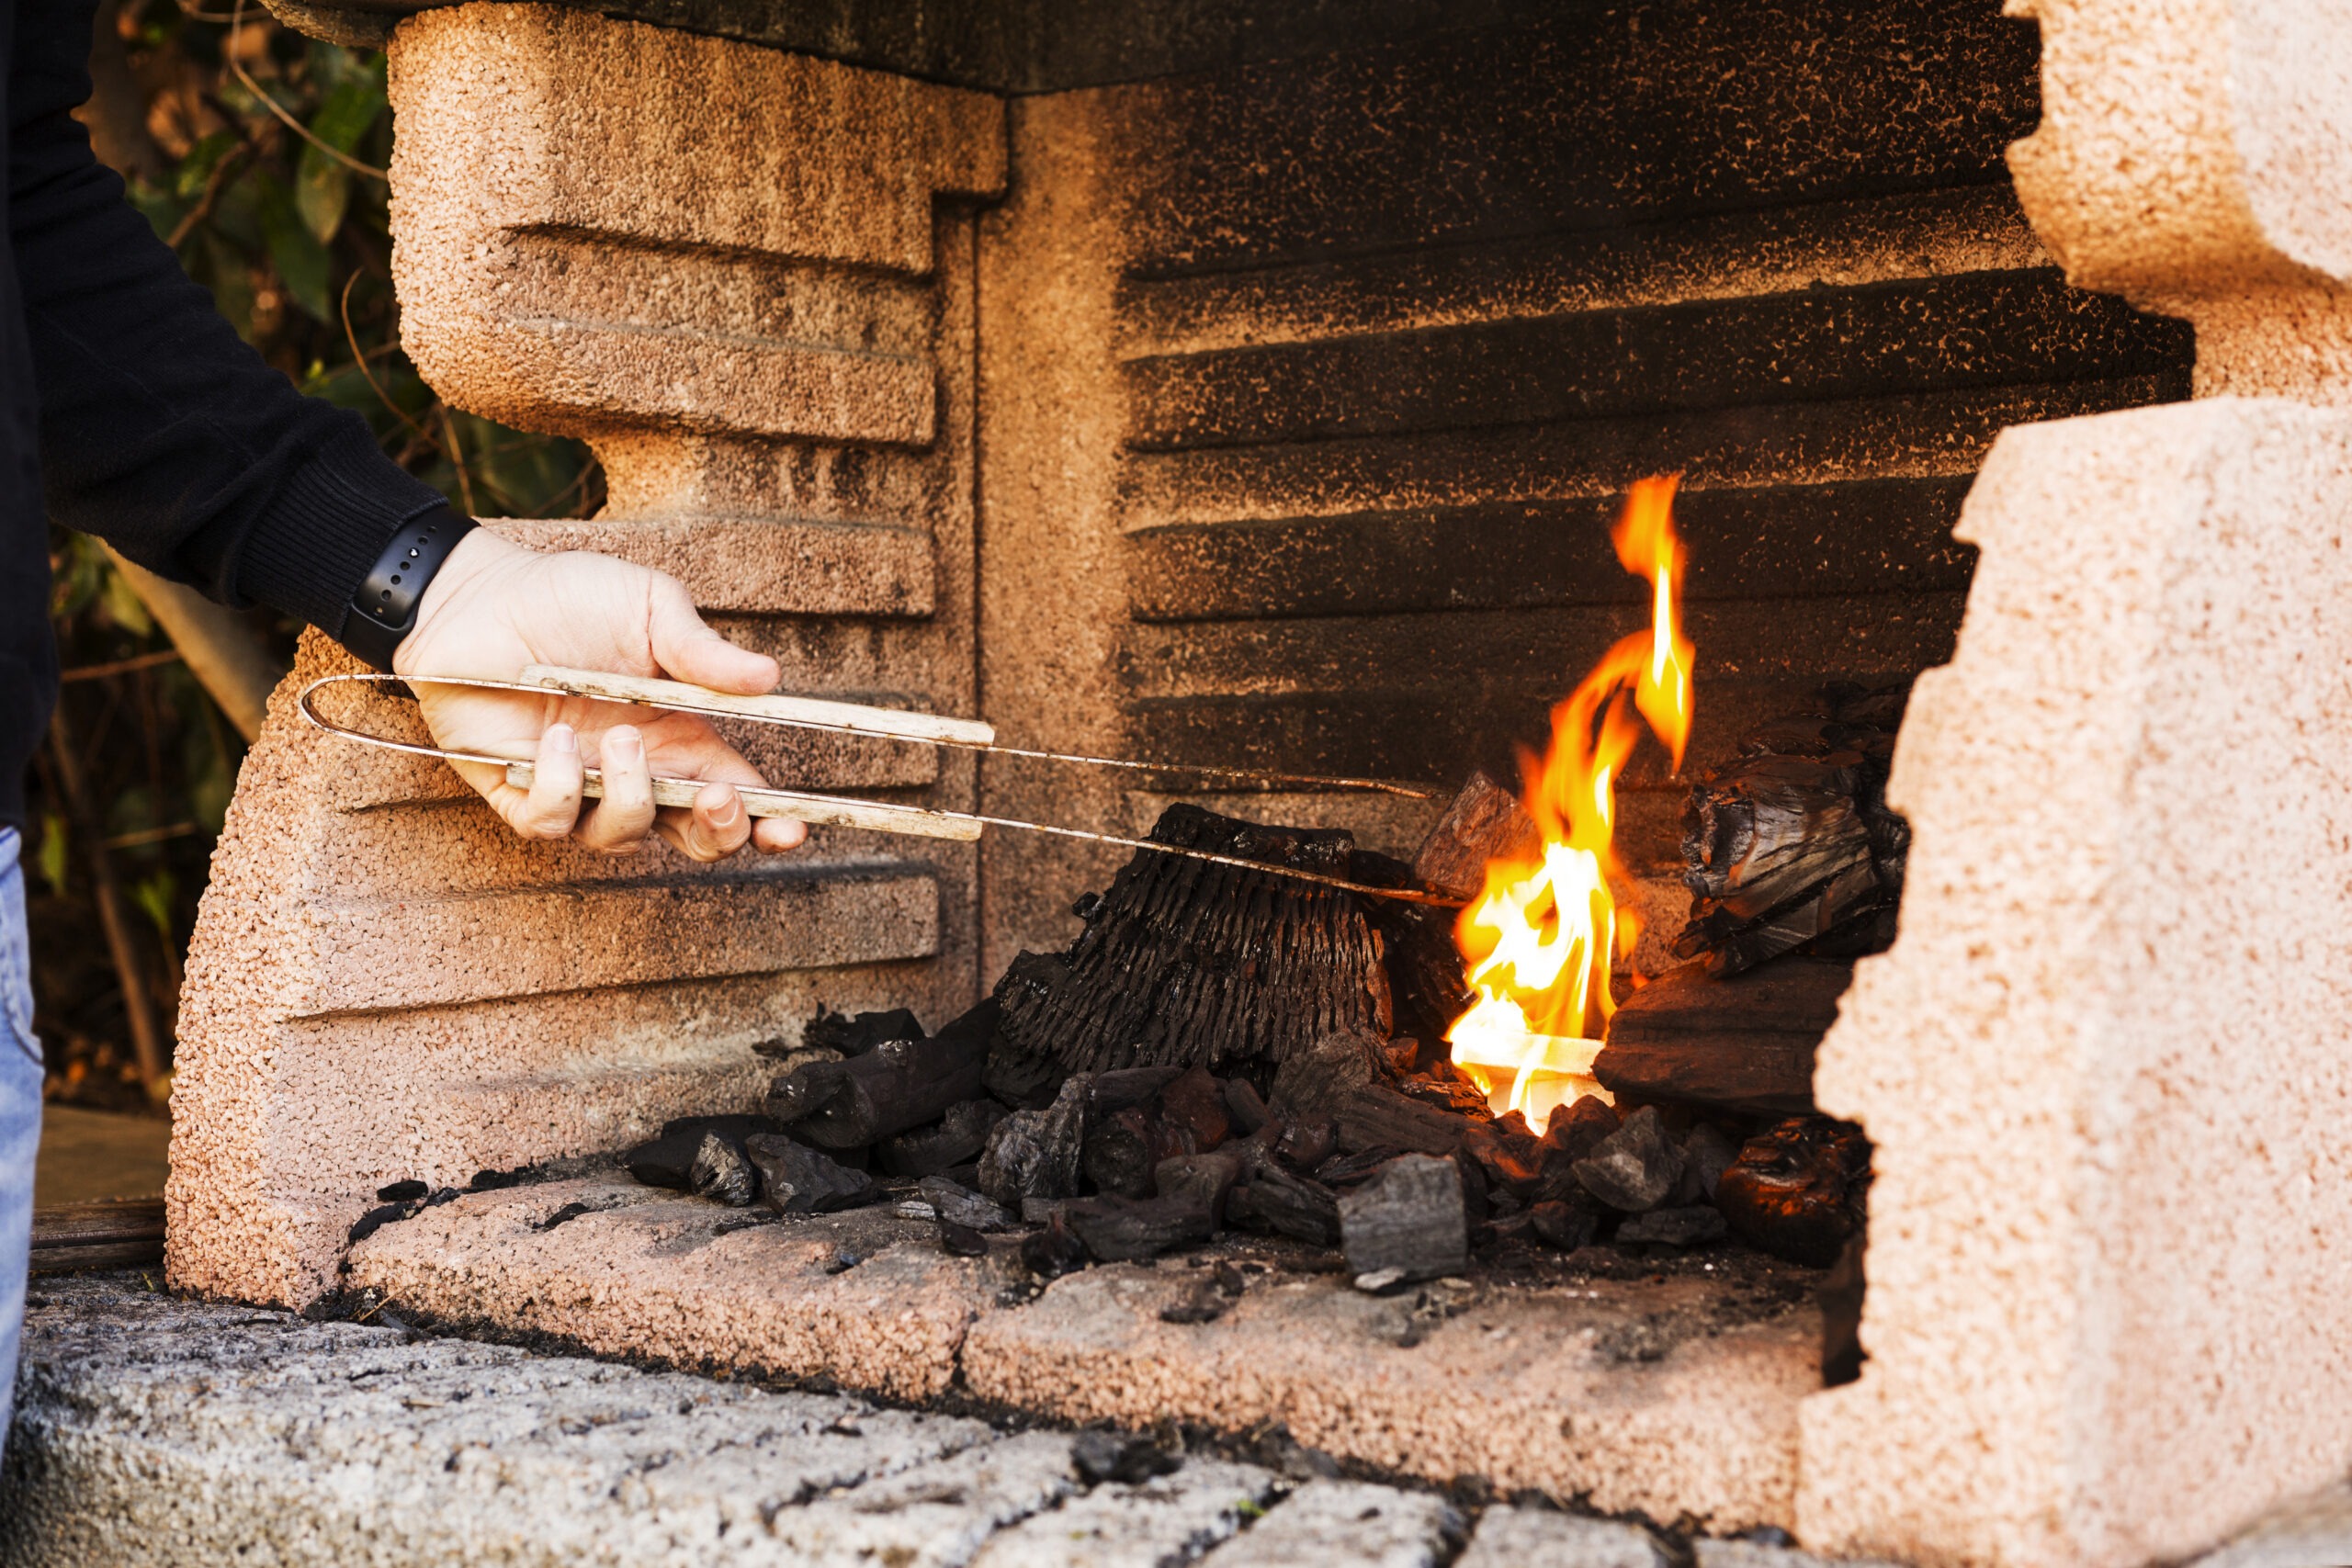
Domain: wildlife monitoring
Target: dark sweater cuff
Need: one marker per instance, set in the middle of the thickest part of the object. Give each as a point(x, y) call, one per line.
point(309, 550)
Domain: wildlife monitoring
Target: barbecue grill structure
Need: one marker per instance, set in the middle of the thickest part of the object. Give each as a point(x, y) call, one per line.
point(1253, 385)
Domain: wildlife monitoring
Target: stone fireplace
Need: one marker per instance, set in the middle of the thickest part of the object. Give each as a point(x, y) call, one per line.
point(1256, 390)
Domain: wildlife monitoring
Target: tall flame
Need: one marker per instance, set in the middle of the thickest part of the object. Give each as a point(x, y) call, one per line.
point(1542, 938)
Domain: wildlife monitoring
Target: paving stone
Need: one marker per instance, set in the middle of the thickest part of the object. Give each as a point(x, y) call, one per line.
point(2311, 1529)
point(1749, 1554)
point(935, 1514)
point(1530, 1537)
point(1346, 1521)
point(1168, 1518)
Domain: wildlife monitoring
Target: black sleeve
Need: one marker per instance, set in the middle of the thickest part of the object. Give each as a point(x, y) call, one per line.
point(161, 431)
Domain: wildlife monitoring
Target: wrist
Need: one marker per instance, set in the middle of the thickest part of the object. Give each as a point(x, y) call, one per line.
point(477, 556)
point(385, 609)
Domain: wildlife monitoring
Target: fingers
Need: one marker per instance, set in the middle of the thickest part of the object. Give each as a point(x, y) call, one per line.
point(691, 651)
point(552, 805)
point(624, 816)
point(776, 834)
point(715, 827)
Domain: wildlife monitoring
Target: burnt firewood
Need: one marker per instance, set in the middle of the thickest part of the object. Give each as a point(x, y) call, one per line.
point(668, 1160)
point(1379, 1117)
point(1484, 823)
point(1303, 1145)
point(1576, 1130)
point(1429, 985)
point(1346, 1170)
point(956, 1139)
point(1123, 1149)
point(1508, 1156)
point(798, 1179)
point(1706, 1154)
point(721, 1173)
point(1634, 1169)
point(1800, 1189)
point(1131, 1230)
point(958, 1204)
point(1410, 1217)
point(1310, 1085)
point(1742, 1041)
point(1206, 1179)
point(1129, 1087)
point(1186, 963)
point(1195, 1105)
point(1035, 1153)
point(855, 1036)
point(1245, 1107)
point(899, 1085)
point(1790, 845)
point(1672, 1229)
point(1274, 1200)
point(1565, 1223)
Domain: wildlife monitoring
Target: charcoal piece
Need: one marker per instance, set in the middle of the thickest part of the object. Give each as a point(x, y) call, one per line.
point(964, 1207)
point(1189, 962)
point(1035, 1153)
point(1054, 1251)
point(1692, 1226)
point(1706, 1154)
point(1122, 1149)
point(1274, 1200)
point(1634, 1169)
point(956, 1139)
point(722, 1173)
point(668, 1160)
point(443, 1195)
point(1449, 1091)
point(1573, 1132)
point(1565, 1226)
point(1303, 1145)
point(1311, 1084)
point(1410, 1216)
point(1508, 1156)
point(1205, 1179)
point(1378, 1117)
point(1245, 1107)
point(1799, 1190)
point(1484, 823)
point(401, 1191)
point(1841, 1317)
point(899, 1085)
point(1429, 985)
point(1209, 1298)
point(375, 1218)
point(1790, 845)
point(855, 1036)
point(1129, 1087)
point(494, 1180)
point(1131, 1230)
point(961, 1241)
point(798, 1179)
point(1195, 1105)
point(1740, 1042)
point(1131, 1458)
point(1346, 1170)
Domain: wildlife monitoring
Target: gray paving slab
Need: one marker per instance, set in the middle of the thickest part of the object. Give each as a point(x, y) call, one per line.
point(1533, 1537)
point(2314, 1531)
point(1346, 1521)
point(1167, 1519)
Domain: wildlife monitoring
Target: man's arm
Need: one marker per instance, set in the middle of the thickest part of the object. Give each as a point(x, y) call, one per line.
point(166, 434)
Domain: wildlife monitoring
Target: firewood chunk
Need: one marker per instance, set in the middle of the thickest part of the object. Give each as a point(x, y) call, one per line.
point(1742, 1043)
point(1407, 1217)
point(1276, 1201)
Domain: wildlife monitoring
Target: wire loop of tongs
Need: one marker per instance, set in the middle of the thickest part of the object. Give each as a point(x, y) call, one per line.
point(846, 718)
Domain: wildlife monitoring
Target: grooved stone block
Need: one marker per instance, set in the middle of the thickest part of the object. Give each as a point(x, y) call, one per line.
point(1529, 1537)
point(1167, 1519)
point(1346, 1521)
point(2105, 1067)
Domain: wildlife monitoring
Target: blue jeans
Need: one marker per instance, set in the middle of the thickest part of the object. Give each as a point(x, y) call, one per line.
point(20, 1078)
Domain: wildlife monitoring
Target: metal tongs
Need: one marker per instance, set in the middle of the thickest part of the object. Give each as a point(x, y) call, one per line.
point(845, 718)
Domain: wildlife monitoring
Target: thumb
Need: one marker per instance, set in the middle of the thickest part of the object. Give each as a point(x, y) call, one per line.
point(688, 650)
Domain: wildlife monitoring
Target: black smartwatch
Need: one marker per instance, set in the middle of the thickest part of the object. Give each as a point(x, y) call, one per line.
point(384, 610)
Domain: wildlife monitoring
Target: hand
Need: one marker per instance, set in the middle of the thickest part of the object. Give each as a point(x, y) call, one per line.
point(494, 607)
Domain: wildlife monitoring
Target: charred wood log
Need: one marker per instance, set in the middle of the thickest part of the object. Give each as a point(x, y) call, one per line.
point(1186, 962)
point(1790, 845)
point(1130, 1230)
point(1274, 1200)
point(1800, 1189)
point(1743, 1041)
point(1410, 1217)
point(895, 1086)
point(1484, 823)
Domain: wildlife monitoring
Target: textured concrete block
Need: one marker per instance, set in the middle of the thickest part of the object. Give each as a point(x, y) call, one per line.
point(2105, 1066)
point(1527, 1538)
point(1171, 1518)
point(1350, 1521)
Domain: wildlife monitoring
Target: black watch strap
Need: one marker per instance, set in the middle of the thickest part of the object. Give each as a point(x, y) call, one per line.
point(384, 610)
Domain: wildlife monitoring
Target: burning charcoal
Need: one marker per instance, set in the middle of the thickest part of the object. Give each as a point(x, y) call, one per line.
point(1209, 1298)
point(1054, 1251)
point(798, 1179)
point(1409, 1217)
point(1565, 1226)
point(961, 1241)
point(1634, 1169)
point(1798, 1190)
point(1129, 1087)
point(1122, 1149)
point(958, 1139)
point(1131, 1458)
point(1739, 1042)
point(1310, 1085)
point(1303, 1145)
point(1401, 1057)
point(1484, 823)
point(1672, 1227)
point(1449, 1091)
point(1509, 1161)
point(856, 1036)
point(722, 1173)
point(1124, 1230)
point(668, 1160)
point(1288, 1205)
point(1034, 1154)
point(401, 1191)
point(1195, 1105)
point(964, 1207)
point(1245, 1107)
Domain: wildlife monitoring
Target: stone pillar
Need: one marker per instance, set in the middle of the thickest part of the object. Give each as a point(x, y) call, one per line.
point(2107, 1066)
point(746, 279)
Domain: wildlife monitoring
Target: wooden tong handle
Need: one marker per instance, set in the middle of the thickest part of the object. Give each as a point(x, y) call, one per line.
point(823, 810)
point(856, 718)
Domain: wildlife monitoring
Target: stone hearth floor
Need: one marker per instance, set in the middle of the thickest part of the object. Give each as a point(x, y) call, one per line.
point(151, 1430)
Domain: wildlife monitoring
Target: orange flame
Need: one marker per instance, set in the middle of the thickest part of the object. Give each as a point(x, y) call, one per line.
point(1542, 938)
